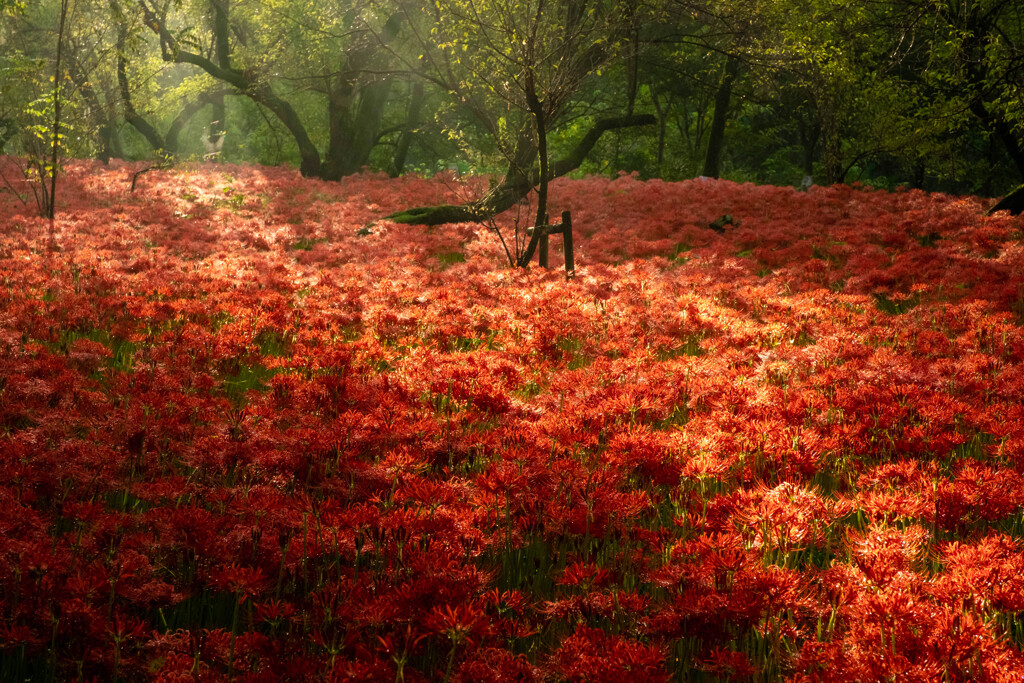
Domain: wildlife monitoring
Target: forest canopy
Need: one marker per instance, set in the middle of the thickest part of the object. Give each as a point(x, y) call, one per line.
point(923, 93)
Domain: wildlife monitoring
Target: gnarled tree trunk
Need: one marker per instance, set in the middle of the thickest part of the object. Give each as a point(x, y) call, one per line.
point(354, 122)
point(244, 81)
point(518, 182)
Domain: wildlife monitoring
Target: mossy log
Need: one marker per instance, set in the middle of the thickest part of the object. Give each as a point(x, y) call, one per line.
point(435, 215)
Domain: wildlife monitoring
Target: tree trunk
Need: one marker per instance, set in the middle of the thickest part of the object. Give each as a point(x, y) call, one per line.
point(338, 134)
point(832, 146)
point(809, 135)
point(411, 121)
point(373, 99)
point(353, 137)
point(716, 138)
point(998, 125)
point(218, 115)
point(980, 29)
point(919, 174)
point(246, 82)
point(517, 183)
point(540, 124)
point(100, 115)
point(662, 126)
point(130, 115)
point(58, 103)
point(190, 109)
point(1012, 143)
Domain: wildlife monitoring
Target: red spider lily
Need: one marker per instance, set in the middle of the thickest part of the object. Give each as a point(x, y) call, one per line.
point(986, 574)
point(512, 611)
point(787, 517)
point(493, 665)
point(591, 655)
point(584, 575)
point(726, 663)
point(18, 635)
point(883, 553)
point(506, 602)
point(246, 582)
point(458, 623)
point(825, 663)
point(428, 492)
point(275, 612)
point(613, 605)
point(384, 454)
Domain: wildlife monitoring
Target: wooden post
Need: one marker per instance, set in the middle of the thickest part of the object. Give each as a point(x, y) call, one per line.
point(570, 261)
point(542, 247)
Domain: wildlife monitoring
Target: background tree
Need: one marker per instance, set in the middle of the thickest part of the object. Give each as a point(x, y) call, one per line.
point(891, 92)
point(966, 59)
point(51, 171)
point(326, 52)
point(135, 81)
point(518, 68)
point(43, 76)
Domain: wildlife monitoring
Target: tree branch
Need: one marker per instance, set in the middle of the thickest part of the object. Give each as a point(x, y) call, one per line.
point(517, 185)
point(246, 82)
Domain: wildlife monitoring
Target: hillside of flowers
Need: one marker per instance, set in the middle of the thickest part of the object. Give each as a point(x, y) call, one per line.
point(252, 431)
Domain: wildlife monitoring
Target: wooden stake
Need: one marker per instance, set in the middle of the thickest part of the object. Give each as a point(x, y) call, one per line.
point(543, 245)
point(570, 261)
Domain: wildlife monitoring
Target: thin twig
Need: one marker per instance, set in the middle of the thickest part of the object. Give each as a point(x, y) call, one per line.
point(155, 167)
point(7, 182)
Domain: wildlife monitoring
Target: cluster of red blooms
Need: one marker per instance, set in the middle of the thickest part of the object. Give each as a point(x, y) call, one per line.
point(244, 437)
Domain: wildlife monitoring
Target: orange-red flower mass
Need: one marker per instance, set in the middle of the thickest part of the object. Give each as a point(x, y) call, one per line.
point(250, 441)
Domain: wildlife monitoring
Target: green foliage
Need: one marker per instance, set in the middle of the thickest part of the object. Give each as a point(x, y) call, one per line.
point(449, 258)
point(896, 305)
point(507, 64)
point(307, 243)
point(245, 377)
point(881, 93)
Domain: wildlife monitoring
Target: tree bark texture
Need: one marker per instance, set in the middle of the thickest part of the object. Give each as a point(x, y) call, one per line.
point(517, 183)
point(716, 137)
point(134, 119)
point(247, 83)
point(218, 115)
point(412, 120)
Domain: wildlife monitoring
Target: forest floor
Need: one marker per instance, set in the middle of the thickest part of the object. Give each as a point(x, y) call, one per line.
point(251, 432)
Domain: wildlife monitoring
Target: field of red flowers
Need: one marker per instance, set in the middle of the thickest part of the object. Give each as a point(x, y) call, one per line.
point(243, 437)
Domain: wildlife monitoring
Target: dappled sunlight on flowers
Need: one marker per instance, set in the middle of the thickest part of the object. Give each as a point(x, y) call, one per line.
point(253, 430)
